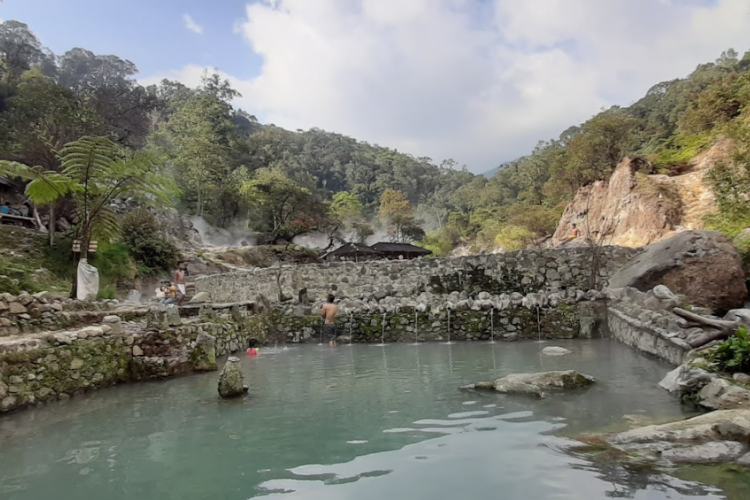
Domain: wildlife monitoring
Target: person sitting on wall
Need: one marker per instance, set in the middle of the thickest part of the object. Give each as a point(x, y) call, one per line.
point(170, 292)
point(574, 232)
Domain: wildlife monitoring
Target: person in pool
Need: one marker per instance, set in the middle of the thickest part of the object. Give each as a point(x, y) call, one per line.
point(328, 313)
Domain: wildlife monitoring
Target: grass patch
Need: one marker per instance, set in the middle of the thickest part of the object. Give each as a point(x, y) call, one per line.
point(674, 156)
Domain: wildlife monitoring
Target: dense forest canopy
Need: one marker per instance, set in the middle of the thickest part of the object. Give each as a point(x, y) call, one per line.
point(229, 167)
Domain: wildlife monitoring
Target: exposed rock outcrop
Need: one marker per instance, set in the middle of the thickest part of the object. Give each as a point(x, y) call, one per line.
point(534, 384)
point(703, 266)
point(231, 380)
point(635, 209)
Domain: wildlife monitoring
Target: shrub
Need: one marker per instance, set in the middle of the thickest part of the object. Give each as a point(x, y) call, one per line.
point(115, 263)
point(732, 355)
point(147, 244)
point(675, 154)
point(438, 243)
point(512, 238)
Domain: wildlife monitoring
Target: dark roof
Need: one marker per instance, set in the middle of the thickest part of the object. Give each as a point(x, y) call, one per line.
point(400, 248)
point(350, 248)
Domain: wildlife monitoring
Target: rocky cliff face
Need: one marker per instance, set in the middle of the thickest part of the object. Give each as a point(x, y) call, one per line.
point(635, 209)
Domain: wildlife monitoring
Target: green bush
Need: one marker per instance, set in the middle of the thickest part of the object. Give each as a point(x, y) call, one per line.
point(675, 154)
point(115, 263)
point(731, 224)
point(147, 244)
point(107, 293)
point(438, 243)
point(732, 355)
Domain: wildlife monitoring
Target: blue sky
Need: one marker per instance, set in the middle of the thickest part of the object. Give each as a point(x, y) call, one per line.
point(479, 81)
point(151, 33)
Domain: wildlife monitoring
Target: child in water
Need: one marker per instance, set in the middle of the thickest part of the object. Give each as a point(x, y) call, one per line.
point(251, 349)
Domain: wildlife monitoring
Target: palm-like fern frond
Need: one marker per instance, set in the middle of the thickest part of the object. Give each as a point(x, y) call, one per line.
point(88, 158)
point(44, 186)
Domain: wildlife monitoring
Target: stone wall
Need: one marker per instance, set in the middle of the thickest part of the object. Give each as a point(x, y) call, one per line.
point(42, 311)
point(40, 368)
point(644, 320)
point(409, 325)
point(521, 272)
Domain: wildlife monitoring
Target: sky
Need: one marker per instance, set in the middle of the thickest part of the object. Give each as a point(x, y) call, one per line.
point(479, 81)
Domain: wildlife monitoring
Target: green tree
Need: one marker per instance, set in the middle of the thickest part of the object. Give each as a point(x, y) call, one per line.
point(41, 118)
point(20, 50)
point(94, 171)
point(396, 213)
point(106, 83)
point(281, 207)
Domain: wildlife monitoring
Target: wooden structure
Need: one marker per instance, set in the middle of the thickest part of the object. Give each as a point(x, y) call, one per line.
point(18, 220)
point(399, 251)
point(352, 252)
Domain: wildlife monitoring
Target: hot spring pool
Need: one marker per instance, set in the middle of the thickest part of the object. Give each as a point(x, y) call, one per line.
point(359, 422)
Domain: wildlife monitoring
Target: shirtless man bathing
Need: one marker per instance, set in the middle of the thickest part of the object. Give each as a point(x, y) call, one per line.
point(179, 279)
point(328, 313)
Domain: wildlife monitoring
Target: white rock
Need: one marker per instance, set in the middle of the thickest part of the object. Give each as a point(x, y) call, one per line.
point(555, 351)
point(662, 292)
point(91, 331)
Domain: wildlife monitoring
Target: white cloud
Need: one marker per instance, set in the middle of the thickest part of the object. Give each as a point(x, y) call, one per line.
point(191, 24)
point(481, 82)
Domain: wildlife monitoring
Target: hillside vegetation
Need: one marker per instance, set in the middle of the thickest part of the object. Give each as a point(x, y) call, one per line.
point(228, 167)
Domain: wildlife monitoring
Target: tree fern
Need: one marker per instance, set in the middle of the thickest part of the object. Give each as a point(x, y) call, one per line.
point(94, 172)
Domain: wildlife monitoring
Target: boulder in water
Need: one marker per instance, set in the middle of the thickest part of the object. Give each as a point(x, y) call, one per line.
point(555, 351)
point(231, 380)
point(534, 384)
point(204, 354)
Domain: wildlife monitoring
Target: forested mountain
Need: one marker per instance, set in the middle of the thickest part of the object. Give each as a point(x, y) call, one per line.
point(230, 167)
point(669, 126)
point(214, 151)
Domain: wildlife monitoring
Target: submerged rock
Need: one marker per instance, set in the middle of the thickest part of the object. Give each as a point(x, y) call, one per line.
point(534, 384)
point(721, 451)
point(555, 351)
point(231, 380)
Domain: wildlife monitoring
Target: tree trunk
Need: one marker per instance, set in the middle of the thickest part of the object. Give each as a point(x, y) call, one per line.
point(723, 329)
point(52, 224)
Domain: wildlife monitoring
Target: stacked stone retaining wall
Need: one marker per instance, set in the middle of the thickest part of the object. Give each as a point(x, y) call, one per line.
point(42, 368)
point(523, 272)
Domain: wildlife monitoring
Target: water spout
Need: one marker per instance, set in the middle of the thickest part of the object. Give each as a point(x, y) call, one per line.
point(382, 334)
point(449, 328)
point(492, 325)
point(416, 327)
point(538, 324)
point(351, 327)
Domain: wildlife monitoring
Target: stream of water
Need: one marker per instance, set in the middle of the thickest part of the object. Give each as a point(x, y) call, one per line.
point(345, 423)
